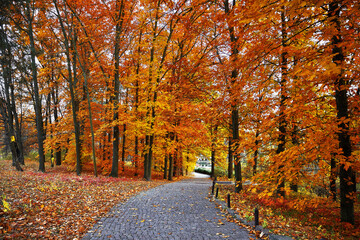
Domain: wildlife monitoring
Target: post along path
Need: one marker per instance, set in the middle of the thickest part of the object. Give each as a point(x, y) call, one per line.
point(179, 210)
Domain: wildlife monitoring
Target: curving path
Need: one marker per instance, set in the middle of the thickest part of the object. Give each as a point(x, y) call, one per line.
point(179, 210)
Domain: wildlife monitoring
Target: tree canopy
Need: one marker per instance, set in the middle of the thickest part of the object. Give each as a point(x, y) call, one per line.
point(273, 85)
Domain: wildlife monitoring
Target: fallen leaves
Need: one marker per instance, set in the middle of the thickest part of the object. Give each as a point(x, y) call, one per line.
point(58, 205)
point(314, 218)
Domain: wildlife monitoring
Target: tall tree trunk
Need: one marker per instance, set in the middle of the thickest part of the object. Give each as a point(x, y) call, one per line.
point(237, 160)
point(86, 73)
point(295, 143)
point(7, 112)
point(56, 119)
point(347, 175)
point(171, 158)
point(50, 131)
point(282, 119)
point(256, 153)
point(166, 165)
point(171, 167)
point(213, 161)
point(123, 148)
point(136, 153)
point(333, 176)
point(72, 80)
point(37, 103)
point(230, 160)
point(76, 105)
point(115, 97)
point(234, 105)
point(213, 152)
point(17, 126)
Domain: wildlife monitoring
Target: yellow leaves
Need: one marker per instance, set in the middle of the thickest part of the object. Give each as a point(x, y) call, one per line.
point(5, 204)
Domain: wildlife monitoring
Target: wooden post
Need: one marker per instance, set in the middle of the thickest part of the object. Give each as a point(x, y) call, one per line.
point(213, 188)
point(256, 214)
point(228, 201)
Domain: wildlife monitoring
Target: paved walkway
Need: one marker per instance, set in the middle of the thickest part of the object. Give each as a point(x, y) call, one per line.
point(179, 210)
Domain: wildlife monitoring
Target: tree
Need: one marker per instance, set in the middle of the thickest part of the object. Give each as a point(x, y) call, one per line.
point(347, 175)
point(29, 15)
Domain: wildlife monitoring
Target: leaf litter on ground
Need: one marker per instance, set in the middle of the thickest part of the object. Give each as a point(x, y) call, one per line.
point(58, 204)
point(285, 217)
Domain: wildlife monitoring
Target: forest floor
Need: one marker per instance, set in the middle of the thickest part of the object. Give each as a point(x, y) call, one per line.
point(299, 216)
point(59, 204)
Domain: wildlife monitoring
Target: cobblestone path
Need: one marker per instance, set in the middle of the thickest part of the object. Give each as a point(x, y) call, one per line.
point(179, 210)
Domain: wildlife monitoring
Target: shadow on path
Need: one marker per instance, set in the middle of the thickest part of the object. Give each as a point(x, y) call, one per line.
point(179, 210)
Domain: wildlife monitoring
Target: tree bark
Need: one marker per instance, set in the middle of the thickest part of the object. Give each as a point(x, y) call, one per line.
point(86, 73)
point(72, 80)
point(114, 100)
point(282, 119)
point(56, 119)
point(166, 165)
point(123, 148)
point(347, 175)
point(234, 105)
point(230, 160)
point(256, 153)
point(37, 103)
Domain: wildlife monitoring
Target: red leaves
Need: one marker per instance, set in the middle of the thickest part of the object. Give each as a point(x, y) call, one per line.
point(297, 216)
point(58, 205)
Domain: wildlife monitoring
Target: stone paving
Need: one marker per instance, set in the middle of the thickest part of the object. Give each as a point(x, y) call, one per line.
point(179, 210)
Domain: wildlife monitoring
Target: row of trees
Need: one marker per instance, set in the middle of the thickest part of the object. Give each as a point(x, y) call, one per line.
point(159, 81)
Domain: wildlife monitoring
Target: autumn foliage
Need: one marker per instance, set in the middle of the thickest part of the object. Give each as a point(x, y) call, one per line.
point(58, 204)
point(153, 84)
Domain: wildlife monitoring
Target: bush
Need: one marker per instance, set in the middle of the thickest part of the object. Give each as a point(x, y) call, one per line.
point(219, 172)
point(203, 171)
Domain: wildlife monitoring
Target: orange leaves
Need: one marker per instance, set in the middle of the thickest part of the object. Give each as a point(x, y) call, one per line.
point(58, 205)
point(298, 216)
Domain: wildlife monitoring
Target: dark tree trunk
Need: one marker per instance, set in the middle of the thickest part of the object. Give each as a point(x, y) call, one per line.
point(123, 149)
point(171, 167)
point(213, 161)
point(137, 105)
point(115, 98)
point(56, 119)
point(237, 160)
point(171, 158)
point(333, 176)
point(86, 73)
point(347, 175)
point(165, 165)
point(37, 103)
point(76, 106)
point(136, 153)
point(213, 152)
point(72, 80)
point(230, 160)
point(17, 127)
point(282, 119)
point(256, 153)
point(295, 142)
point(234, 105)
